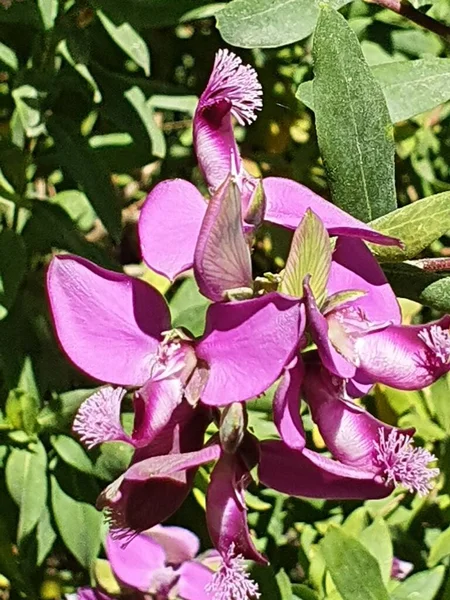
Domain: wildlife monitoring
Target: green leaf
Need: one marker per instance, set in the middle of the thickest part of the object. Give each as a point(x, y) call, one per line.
point(87, 169)
point(440, 549)
point(21, 410)
point(113, 460)
point(28, 105)
point(10, 566)
point(269, 23)
point(303, 592)
point(78, 207)
point(72, 453)
point(310, 254)
point(284, 585)
point(416, 225)
point(188, 307)
point(377, 541)
point(410, 87)
point(49, 11)
point(79, 524)
point(13, 266)
point(45, 536)
point(420, 586)
point(60, 412)
point(354, 570)
point(67, 51)
point(129, 40)
point(354, 130)
point(26, 479)
point(136, 98)
point(8, 57)
point(437, 295)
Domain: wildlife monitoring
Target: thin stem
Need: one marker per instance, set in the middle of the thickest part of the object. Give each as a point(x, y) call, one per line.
point(407, 10)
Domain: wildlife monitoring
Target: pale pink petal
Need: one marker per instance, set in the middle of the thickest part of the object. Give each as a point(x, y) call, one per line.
point(408, 357)
point(355, 268)
point(233, 89)
point(226, 513)
point(312, 475)
point(246, 346)
point(135, 563)
point(108, 324)
point(222, 256)
point(287, 202)
point(169, 225)
point(179, 544)
point(286, 406)
point(194, 577)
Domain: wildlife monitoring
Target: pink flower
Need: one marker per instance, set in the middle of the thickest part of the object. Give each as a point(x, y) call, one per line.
point(173, 214)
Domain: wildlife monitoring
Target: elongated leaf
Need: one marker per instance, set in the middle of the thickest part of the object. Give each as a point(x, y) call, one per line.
point(410, 87)
point(136, 98)
point(13, 265)
point(377, 541)
point(86, 168)
point(49, 11)
point(354, 570)
point(440, 548)
point(284, 585)
point(8, 57)
point(28, 100)
point(129, 40)
point(310, 254)
point(72, 453)
point(269, 23)
point(26, 479)
point(416, 225)
point(78, 523)
point(420, 586)
point(352, 120)
point(45, 536)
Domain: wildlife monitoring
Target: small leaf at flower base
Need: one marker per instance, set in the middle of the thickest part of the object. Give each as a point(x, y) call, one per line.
point(420, 586)
point(354, 130)
point(354, 570)
point(440, 548)
point(416, 225)
point(310, 254)
point(269, 23)
point(13, 265)
point(26, 479)
point(79, 524)
point(284, 585)
point(129, 40)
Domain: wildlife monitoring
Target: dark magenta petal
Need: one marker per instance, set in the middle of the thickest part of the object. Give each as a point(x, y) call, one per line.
point(226, 512)
point(312, 475)
point(247, 345)
point(222, 256)
point(108, 324)
point(408, 357)
point(134, 564)
point(169, 225)
point(286, 406)
point(355, 268)
point(287, 202)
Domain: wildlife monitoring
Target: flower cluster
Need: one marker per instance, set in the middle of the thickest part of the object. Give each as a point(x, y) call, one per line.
point(327, 328)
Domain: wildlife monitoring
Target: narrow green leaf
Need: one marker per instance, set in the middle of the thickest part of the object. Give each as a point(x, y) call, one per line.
point(354, 570)
point(127, 38)
point(354, 130)
point(8, 57)
point(420, 586)
point(72, 453)
point(45, 536)
point(377, 541)
point(81, 68)
point(78, 207)
point(86, 168)
point(26, 479)
point(13, 266)
point(78, 523)
point(269, 23)
point(440, 549)
point(49, 11)
point(310, 254)
point(137, 99)
point(416, 225)
point(284, 585)
point(28, 99)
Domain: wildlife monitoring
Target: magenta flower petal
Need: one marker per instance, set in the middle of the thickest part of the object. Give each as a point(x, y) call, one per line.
point(98, 418)
point(355, 268)
point(87, 593)
point(246, 345)
point(222, 257)
point(108, 324)
point(194, 578)
point(233, 89)
point(179, 544)
point(405, 357)
point(286, 406)
point(169, 225)
point(226, 513)
point(318, 326)
point(287, 202)
point(400, 568)
point(135, 563)
point(313, 475)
